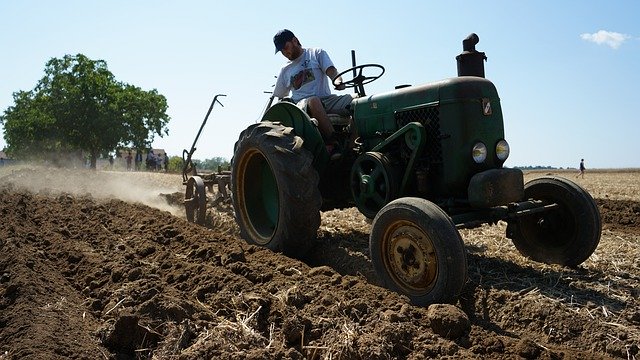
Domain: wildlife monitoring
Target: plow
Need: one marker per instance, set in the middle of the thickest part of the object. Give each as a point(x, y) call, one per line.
point(197, 184)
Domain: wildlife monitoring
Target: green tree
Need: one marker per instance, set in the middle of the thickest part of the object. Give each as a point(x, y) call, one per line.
point(28, 128)
point(78, 105)
point(175, 164)
point(212, 164)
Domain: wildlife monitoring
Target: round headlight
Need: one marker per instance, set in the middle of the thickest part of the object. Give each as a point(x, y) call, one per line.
point(502, 150)
point(479, 153)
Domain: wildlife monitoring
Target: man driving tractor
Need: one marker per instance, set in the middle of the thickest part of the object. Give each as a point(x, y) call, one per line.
point(306, 75)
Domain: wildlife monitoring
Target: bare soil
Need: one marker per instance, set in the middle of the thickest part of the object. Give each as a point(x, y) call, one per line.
point(100, 265)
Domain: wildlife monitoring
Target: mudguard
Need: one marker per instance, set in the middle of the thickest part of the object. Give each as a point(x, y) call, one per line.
point(290, 115)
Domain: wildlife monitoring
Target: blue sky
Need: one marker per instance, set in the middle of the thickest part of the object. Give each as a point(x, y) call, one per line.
point(566, 71)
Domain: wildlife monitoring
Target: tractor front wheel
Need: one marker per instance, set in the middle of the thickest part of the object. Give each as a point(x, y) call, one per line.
point(275, 189)
point(566, 234)
point(417, 251)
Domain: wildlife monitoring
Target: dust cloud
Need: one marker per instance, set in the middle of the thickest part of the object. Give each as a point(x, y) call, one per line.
point(136, 187)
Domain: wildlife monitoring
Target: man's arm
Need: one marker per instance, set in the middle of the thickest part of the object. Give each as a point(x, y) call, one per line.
point(281, 90)
point(331, 73)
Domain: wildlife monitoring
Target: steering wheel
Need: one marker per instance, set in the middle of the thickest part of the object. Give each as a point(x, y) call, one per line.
point(359, 80)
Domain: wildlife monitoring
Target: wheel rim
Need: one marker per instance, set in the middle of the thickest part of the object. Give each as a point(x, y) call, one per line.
point(556, 228)
point(410, 256)
point(258, 191)
point(553, 229)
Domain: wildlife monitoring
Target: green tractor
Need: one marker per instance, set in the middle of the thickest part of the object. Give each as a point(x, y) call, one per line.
point(427, 161)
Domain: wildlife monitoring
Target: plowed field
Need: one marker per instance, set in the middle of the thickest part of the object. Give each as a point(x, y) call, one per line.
point(100, 265)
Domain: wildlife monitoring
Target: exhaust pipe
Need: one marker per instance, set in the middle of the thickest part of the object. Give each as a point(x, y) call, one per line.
point(471, 61)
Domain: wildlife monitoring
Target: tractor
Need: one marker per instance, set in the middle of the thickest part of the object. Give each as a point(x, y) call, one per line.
point(421, 162)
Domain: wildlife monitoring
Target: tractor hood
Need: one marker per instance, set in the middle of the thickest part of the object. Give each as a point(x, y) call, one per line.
point(464, 88)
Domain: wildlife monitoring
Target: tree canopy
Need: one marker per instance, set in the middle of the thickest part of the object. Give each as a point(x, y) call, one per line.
point(79, 105)
point(212, 164)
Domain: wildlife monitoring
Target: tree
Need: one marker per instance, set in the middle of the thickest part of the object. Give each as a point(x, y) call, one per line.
point(175, 164)
point(78, 105)
point(28, 128)
point(212, 164)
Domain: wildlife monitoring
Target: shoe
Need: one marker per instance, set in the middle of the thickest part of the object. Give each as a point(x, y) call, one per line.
point(334, 152)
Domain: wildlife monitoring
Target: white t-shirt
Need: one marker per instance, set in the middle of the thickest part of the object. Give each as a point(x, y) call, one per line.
point(305, 76)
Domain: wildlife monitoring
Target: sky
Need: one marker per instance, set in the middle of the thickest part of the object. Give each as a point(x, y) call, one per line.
point(566, 71)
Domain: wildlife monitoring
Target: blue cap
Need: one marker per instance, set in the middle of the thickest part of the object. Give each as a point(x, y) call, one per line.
point(281, 38)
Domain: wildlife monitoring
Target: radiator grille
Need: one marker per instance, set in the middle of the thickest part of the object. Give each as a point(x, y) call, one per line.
point(429, 117)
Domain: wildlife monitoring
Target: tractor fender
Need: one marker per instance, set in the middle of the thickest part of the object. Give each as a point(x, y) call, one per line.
point(288, 114)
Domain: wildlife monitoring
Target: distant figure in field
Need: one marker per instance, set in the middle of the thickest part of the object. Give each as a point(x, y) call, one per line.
point(582, 169)
point(138, 161)
point(166, 162)
point(129, 158)
point(151, 161)
point(158, 162)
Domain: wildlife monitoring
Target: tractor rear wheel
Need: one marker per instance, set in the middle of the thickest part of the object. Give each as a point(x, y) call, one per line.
point(417, 251)
point(275, 189)
point(567, 234)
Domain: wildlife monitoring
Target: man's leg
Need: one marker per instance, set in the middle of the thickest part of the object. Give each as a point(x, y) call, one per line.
point(316, 110)
point(341, 105)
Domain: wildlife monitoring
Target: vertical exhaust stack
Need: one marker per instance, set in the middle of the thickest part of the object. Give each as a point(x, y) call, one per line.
point(471, 61)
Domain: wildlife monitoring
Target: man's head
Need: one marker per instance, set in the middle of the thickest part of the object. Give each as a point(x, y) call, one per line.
point(288, 44)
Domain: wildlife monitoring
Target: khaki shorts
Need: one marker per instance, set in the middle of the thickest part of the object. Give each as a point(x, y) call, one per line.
point(333, 104)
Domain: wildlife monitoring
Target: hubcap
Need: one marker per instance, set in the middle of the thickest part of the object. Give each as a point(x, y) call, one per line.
point(411, 257)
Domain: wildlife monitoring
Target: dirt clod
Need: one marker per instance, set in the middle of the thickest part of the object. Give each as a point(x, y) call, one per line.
point(448, 321)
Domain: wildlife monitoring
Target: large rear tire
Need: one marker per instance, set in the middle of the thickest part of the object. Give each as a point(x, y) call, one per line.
point(275, 189)
point(417, 251)
point(565, 235)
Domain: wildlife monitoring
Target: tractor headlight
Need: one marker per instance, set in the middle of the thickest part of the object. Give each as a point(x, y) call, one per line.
point(502, 150)
point(479, 153)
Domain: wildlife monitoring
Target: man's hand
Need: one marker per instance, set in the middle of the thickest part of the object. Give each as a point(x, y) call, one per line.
point(331, 73)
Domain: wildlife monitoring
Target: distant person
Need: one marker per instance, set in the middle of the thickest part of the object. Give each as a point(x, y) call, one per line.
point(158, 162)
point(110, 162)
point(166, 162)
point(151, 160)
point(138, 160)
point(129, 159)
point(582, 169)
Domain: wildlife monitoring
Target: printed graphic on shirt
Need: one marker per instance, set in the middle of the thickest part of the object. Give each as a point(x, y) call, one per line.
point(301, 78)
